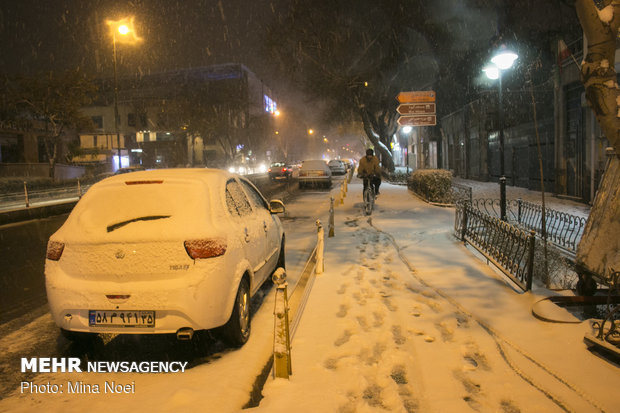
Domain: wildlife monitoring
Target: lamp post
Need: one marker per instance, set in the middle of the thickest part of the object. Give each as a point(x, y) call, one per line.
point(123, 27)
point(500, 62)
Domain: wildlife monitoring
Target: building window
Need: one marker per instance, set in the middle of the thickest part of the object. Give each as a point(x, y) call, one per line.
point(97, 121)
point(131, 119)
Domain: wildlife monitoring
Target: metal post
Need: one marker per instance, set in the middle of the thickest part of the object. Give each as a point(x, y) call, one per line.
point(26, 194)
point(331, 217)
point(341, 194)
point(519, 201)
point(531, 239)
point(118, 136)
point(344, 183)
point(320, 245)
point(464, 227)
point(79, 188)
point(502, 173)
point(281, 337)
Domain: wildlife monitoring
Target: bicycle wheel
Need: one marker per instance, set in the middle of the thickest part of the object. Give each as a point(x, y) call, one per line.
point(368, 201)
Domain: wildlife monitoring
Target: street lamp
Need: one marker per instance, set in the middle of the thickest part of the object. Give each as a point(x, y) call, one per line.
point(503, 60)
point(125, 29)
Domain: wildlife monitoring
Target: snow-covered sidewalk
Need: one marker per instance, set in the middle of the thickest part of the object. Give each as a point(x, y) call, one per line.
point(405, 318)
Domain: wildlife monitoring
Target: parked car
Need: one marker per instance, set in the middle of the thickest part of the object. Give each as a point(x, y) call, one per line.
point(315, 172)
point(127, 169)
point(279, 170)
point(163, 251)
point(337, 167)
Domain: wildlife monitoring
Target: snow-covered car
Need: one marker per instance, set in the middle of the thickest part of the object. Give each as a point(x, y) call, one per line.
point(337, 167)
point(315, 172)
point(280, 170)
point(163, 251)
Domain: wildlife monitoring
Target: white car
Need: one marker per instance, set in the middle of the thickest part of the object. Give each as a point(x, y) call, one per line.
point(315, 172)
point(163, 251)
point(337, 167)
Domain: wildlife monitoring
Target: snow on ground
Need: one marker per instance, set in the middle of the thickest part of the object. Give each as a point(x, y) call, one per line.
point(490, 190)
point(435, 331)
point(405, 318)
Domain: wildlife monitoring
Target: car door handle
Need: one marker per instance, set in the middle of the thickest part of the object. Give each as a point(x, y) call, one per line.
point(247, 235)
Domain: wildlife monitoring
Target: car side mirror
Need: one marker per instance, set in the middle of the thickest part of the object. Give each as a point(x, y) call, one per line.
point(276, 206)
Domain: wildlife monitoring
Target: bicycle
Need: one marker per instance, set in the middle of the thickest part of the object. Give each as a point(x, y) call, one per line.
point(369, 196)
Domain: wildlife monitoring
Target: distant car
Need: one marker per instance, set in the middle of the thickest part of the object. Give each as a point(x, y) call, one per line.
point(163, 251)
point(315, 172)
point(350, 164)
point(128, 169)
point(337, 167)
point(280, 170)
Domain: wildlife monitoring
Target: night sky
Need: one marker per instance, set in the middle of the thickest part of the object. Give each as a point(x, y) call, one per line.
point(40, 35)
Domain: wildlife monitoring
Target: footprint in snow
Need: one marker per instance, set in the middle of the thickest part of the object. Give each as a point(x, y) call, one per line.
point(342, 311)
point(346, 335)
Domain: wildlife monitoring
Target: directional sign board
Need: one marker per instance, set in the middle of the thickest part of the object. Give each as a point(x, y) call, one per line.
point(420, 96)
point(407, 109)
point(418, 120)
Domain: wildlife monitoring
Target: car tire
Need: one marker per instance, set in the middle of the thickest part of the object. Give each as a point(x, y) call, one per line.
point(236, 331)
point(281, 258)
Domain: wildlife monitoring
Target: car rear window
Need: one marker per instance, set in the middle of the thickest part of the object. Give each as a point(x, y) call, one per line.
point(139, 206)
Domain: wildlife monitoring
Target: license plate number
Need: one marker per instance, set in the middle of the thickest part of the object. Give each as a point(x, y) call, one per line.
point(121, 318)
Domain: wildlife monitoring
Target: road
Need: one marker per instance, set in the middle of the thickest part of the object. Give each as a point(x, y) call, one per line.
point(26, 329)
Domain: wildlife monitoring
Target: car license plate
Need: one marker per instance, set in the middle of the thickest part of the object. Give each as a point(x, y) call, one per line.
point(121, 318)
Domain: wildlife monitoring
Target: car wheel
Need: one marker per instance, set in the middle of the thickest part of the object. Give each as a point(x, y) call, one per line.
point(236, 331)
point(281, 258)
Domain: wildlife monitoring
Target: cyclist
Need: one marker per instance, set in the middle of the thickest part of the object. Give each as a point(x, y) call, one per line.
point(369, 170)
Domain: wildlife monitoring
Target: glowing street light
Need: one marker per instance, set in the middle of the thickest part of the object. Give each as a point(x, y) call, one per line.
point(124, 28)
point(310, 131)
point(503, 60)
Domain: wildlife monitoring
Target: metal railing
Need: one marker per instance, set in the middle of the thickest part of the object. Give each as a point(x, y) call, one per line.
point(563, 230)
point(29, 197)
point(508, 247)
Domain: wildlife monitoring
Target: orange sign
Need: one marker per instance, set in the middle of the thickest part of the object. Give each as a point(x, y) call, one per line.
point(421, 96)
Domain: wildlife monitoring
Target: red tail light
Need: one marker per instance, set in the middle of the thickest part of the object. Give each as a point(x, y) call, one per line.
point(283, 169)
point(269, 170)
point(143, 182)
point(205, 248)
point(54, 250)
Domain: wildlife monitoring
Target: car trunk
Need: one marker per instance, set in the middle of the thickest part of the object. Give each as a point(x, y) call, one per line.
point(135, 232)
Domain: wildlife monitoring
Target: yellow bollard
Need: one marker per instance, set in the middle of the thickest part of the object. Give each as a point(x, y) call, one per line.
point(281, 337)
point(341, 195)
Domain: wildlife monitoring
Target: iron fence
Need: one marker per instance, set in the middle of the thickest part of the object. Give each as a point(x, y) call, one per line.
point(508, 247)
point(563, 230)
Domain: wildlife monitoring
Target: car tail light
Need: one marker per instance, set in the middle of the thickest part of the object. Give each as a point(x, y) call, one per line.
point(117, 296)
point(143, 182)
point(54, 250)
point(205, 248)
point(269, 170)
point(283, 169)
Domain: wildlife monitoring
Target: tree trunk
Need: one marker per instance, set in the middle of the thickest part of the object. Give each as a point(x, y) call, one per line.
point(599, 248)
point(597, 71)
